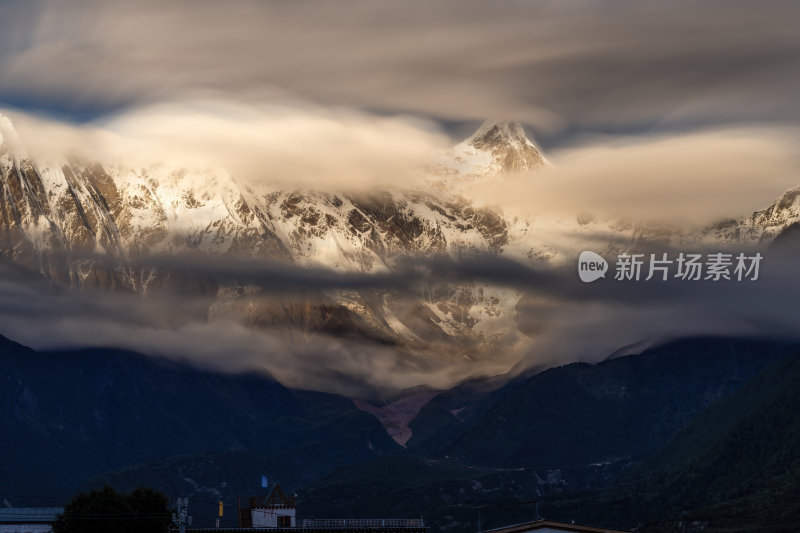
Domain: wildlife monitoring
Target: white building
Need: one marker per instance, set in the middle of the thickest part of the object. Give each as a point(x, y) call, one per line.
point(28, 519)
point(277, 510)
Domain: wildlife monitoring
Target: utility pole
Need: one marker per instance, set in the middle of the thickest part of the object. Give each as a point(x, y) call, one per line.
point(181, 518)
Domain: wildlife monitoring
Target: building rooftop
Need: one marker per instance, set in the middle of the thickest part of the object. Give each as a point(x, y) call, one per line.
point(548, 525)
point(31, 515)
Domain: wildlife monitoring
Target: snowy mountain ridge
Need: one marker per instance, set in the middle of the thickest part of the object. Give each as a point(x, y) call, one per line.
point(53, 214)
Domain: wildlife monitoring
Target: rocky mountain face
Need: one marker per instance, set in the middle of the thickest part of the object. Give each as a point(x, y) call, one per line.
point(78, 206)
point(764, 225)
point(498, 148)
point(58, 217)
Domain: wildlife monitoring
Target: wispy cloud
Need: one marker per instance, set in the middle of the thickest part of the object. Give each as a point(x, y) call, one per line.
point(286, 145)
point(697, 177)
point(583, 65)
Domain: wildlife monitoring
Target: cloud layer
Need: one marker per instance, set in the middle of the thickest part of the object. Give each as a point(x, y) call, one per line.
point(556, 65)
point(286, 145)
point(565, 319)
point(697, 177)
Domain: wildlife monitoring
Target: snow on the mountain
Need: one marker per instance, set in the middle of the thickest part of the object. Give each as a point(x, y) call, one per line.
point(395, 323)
point(470, 161)
point(124, 210)
point(762, 225)
point(10, 139)
point(496, 148)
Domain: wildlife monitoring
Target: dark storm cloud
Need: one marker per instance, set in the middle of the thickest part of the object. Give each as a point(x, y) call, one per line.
point(568, 319)
point(407, 273)
point(558, 283)
point(565, 319)
point(620, 64)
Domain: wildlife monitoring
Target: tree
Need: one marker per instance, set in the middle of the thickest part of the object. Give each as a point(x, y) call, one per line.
point(108, 511)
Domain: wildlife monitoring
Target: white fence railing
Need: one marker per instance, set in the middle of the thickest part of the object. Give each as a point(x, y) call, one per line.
point(363, 522)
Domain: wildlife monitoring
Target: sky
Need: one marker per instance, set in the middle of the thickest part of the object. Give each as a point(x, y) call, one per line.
point(561, 67)
point(665, 110)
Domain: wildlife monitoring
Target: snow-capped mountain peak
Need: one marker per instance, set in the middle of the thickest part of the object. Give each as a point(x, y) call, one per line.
point(498, 148)
point(56, 216)
point(497, 134)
